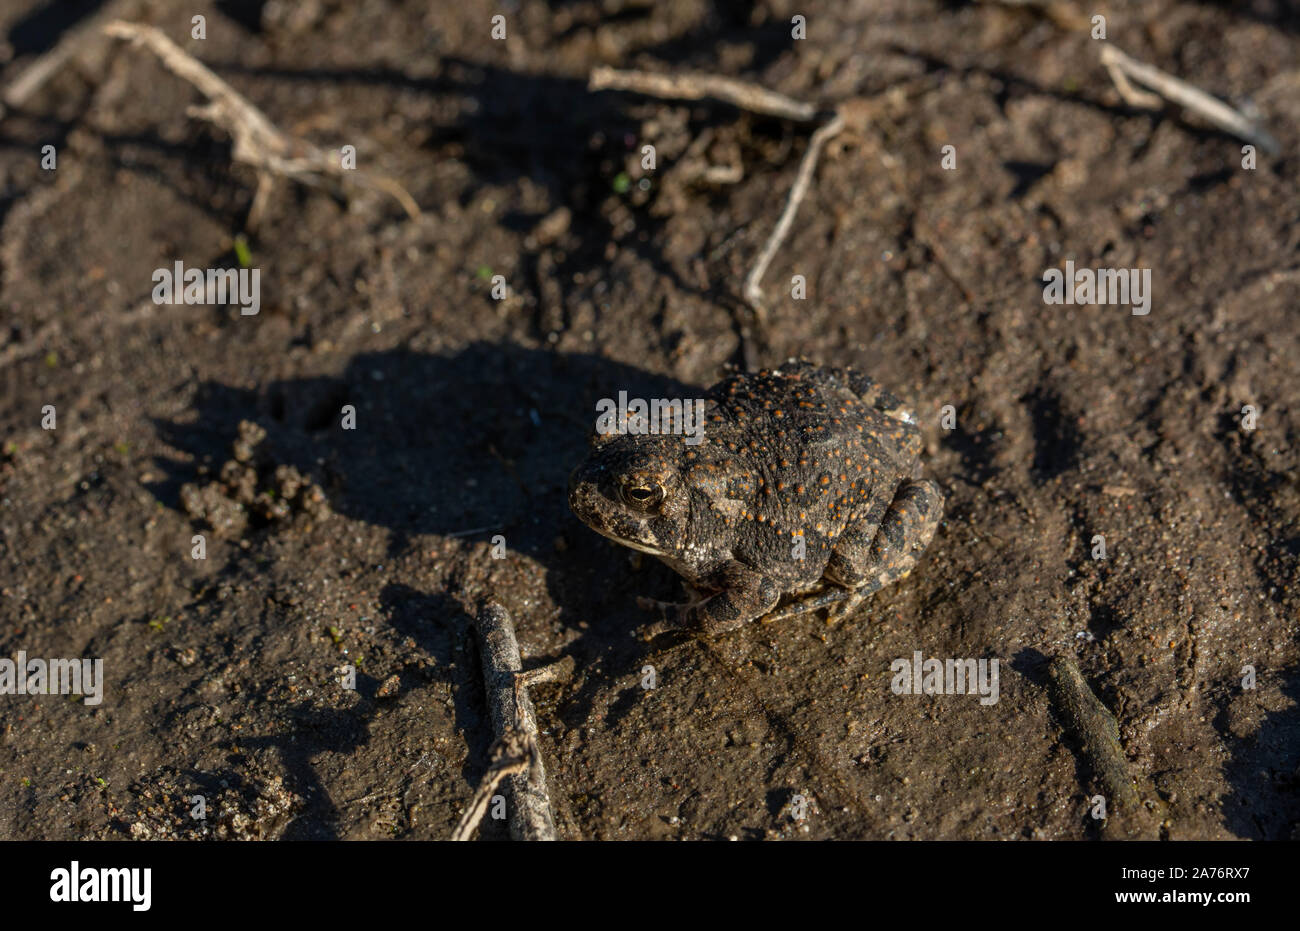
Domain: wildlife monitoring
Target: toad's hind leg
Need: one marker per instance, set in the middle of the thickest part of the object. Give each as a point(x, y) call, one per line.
point(865, 564)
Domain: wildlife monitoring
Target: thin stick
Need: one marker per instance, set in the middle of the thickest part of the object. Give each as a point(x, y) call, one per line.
point(559, 671)
point(257, 141)
point(511, 755)
point(1097, 732)
point(698, 86)
point(748, 97)
point(512, 718)
point(753, 283)
point(1122, 67)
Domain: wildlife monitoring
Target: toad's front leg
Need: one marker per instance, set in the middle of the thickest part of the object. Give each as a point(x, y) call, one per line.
point(739, 596)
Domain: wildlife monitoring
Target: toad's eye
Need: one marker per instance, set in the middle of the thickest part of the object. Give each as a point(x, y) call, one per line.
point(643, 497)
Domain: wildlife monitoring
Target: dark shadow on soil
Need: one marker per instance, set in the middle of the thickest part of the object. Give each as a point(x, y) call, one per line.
point(1264, 771)
point(248, 13)
point(42, 28)
point(315, 730)
point(978, 448)
point(1056, 436)
point(471, 445)
point(556, 133)
point(1280, 14)
point(1032, 664)
point(409, 611)
point(1256, 486)
point(199, 171)
point(1027, 174)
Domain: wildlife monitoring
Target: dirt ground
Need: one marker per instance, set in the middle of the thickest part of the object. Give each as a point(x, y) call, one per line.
point(223, 674)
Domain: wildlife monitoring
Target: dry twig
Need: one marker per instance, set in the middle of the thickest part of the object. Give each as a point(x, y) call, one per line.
point(511, 755)
point(748, 97)
point(1097, 733)
point(760, 100)
point(699, 86)
point(799, 190)
point(1122, 68)
point(257, 141)
point(516, 756)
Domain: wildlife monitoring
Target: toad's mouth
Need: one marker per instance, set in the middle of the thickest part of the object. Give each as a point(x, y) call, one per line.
point(631, 544)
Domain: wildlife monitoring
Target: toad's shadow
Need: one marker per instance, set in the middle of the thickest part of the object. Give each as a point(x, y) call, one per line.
point(471, 445)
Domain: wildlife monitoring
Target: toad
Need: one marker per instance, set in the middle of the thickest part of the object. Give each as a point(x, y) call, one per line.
point(807, 484)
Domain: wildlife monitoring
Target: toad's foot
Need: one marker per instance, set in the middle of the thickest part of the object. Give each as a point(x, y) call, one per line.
point(813, 602)
point(728, 599)
point(673, 615)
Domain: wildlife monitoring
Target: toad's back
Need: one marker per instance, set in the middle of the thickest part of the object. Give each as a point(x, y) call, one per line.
point(799, 411)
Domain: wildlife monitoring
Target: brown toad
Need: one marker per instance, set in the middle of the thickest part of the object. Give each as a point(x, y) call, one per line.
point(807, 483)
